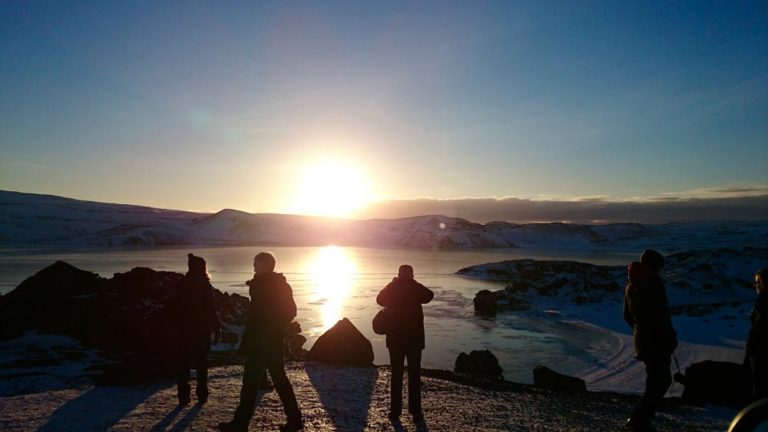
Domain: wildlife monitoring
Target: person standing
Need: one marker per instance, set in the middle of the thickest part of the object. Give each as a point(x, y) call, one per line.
point(405, 296)
point(270, 311)
point(193, 312)
point(646, 310)
point(757, 340)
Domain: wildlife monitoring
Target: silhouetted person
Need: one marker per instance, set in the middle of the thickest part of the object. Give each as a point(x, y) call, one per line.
point(405, 296)
point(193, 313)
point(271, 310)
point(757, 341)
point(647, 311)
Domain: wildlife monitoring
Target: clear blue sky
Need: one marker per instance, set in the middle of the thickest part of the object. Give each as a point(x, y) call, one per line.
point(207, 105)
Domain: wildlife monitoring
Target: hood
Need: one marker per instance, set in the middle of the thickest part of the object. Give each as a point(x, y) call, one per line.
point(639, 273)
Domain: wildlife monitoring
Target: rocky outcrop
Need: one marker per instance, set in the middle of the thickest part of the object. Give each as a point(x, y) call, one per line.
point(546, 378)
point(480, 364)
point(583, 283)
point(713, 278)
point(714, 382)
point(342, 345)
point(122, 316)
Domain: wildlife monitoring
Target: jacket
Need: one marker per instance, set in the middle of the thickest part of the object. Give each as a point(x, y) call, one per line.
point(270, 311)
point(646, 310)
point(193, 313)
point(757, 340)
point(405, 296)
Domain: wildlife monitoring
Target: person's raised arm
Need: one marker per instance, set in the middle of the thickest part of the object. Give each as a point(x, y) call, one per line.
point(383, 299)
point(425, 294)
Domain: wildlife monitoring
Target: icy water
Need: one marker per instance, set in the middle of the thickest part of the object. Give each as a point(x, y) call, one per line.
point(334, 282)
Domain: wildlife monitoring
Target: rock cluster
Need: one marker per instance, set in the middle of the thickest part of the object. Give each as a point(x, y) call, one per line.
point(480, 364)
point(490, 302)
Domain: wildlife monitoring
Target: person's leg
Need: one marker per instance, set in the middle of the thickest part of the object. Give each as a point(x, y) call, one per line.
point(396, 361)
point(414, 384)
point(759, 377)
point(283, 387)
point(201, 368)
point(182, 385)
point(252, 373)
point(657, 382)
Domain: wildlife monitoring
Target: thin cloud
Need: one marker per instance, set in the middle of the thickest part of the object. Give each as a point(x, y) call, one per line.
point(34, 166)
point(737, 203)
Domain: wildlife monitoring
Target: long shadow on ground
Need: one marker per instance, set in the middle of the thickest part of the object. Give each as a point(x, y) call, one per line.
point(345, 392)
point(99, 408)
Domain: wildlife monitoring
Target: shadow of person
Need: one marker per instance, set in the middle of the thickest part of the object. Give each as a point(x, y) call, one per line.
point(99, 408)
point(344, 392)
point(188, 418)
point(167, 420)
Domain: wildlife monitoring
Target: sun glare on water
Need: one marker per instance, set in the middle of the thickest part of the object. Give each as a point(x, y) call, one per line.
point(332, 189)
point(332, 271)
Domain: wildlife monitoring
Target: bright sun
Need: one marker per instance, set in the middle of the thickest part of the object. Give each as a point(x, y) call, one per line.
point(333, 189)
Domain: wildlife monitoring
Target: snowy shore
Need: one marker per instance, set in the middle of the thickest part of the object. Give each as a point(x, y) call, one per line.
point(338, 399)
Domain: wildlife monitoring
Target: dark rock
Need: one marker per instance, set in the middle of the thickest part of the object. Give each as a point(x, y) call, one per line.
point(294, 343)
point(481, 364)
point(546, 378)
point(486, 302)
point(713, 382)
point(342, 345)
point(489, 303)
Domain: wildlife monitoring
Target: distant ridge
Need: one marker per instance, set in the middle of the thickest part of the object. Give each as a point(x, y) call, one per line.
point(39, 220)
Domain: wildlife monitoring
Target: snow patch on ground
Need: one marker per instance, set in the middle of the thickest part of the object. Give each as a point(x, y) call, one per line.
point(335, 399)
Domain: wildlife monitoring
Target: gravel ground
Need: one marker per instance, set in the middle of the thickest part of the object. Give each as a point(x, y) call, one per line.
point(339, 399)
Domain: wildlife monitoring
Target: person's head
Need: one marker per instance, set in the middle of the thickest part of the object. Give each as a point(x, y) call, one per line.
point(264, 262)
point(196, 266)
point(652, 260)
point(405, 271)
point(761, 278)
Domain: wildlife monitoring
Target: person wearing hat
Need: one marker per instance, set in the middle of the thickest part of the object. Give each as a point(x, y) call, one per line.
point(757, 340)
point(405, 296)
point(270, 311)
point(193, 312)
point(647, 312)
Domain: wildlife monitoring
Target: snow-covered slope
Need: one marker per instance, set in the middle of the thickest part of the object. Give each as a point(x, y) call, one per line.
point(31, 219)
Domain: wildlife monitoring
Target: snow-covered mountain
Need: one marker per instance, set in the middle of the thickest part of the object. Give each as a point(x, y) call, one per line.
point(32, 219)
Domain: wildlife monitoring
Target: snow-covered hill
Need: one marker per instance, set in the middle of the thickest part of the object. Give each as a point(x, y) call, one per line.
point(31, 219)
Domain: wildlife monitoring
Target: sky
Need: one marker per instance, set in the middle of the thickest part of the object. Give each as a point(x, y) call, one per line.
point(322, 107)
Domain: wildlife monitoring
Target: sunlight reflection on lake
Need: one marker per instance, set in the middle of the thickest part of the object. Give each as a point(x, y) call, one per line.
point(330, 283)
point(332, 271)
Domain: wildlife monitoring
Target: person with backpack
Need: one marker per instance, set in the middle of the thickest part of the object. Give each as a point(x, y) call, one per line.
point(404, 296)
point(757, 340)
point(646, 310)
point(193, 316)
point(271, 310)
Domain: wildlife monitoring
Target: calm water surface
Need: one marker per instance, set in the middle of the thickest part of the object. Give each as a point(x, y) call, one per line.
point(334, 282)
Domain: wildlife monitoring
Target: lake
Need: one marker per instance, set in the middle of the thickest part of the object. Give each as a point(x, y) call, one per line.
point(330, 283)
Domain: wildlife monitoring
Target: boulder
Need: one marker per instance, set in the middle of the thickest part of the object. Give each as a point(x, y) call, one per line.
point(490, 302)
point(485, 302)
point(294, 343)
point(480, 364)
point(342, 345)
point(546, 378)
point(714, 382)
